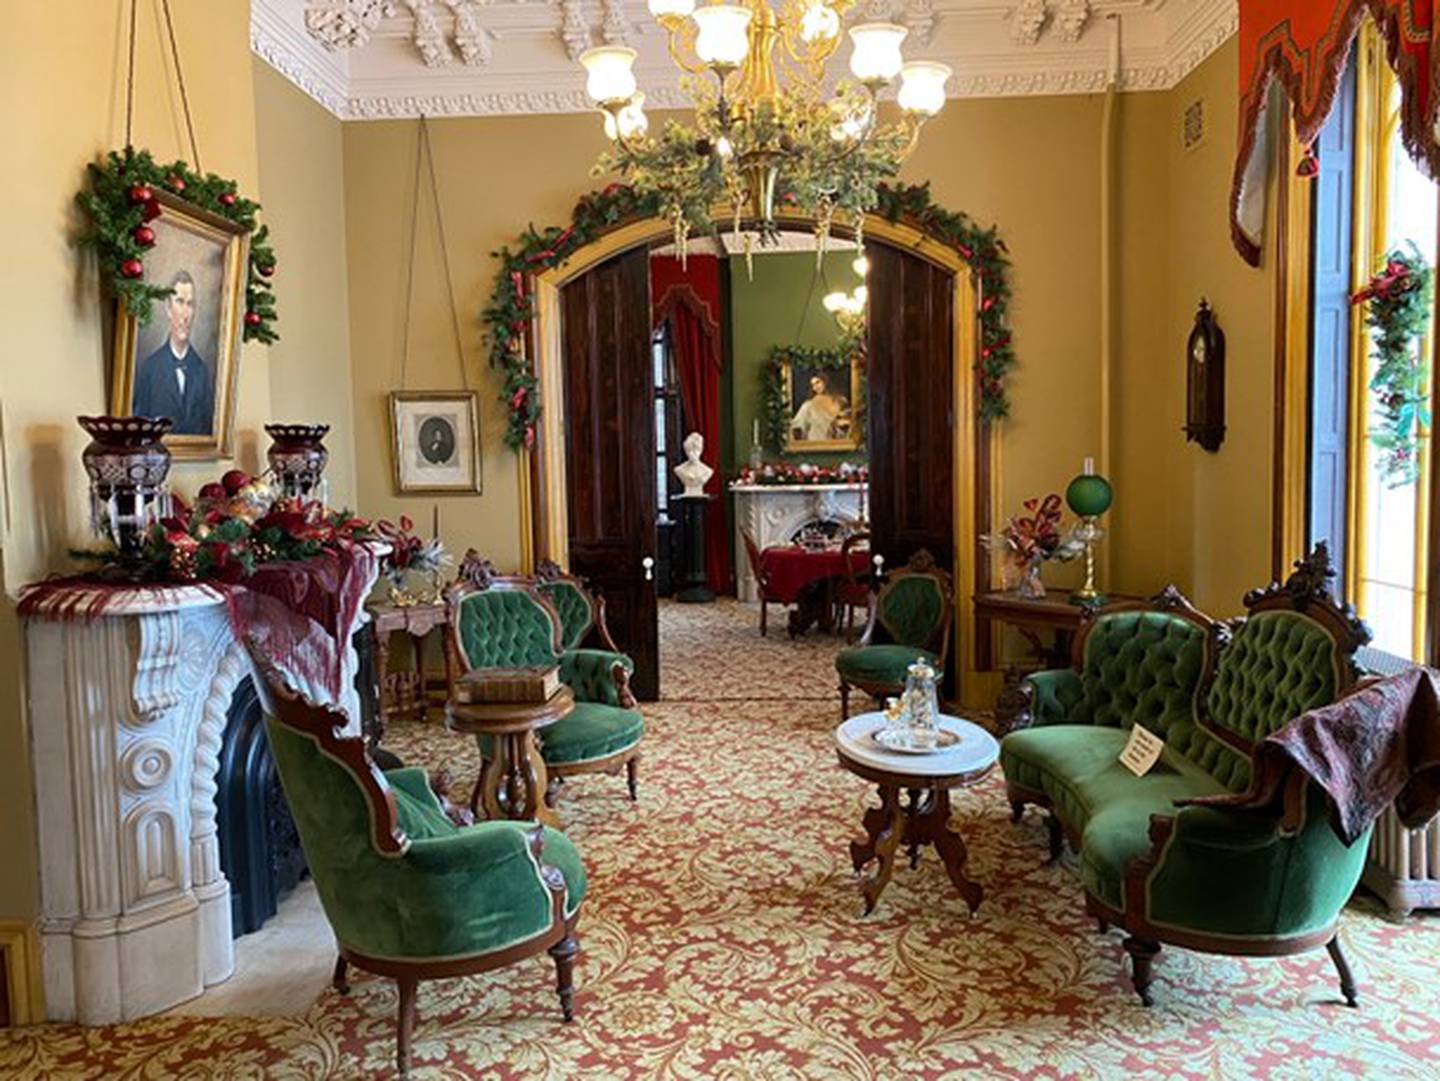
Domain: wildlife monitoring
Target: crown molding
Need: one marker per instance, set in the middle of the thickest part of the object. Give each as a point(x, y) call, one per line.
point(383, 59)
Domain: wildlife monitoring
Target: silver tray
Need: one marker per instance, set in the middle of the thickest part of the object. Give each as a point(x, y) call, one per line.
point(898, 741)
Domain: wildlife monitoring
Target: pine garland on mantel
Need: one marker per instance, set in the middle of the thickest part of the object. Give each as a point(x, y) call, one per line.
point(121, 203)
point(507, 316)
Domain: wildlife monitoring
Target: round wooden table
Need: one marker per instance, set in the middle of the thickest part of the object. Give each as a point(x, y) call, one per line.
point(513, 782)
point(927, 780)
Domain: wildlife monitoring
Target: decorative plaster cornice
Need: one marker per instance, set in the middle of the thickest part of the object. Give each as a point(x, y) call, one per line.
point(398, 58)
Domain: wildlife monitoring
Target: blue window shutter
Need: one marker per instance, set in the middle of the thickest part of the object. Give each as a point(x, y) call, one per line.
point(1330, 329)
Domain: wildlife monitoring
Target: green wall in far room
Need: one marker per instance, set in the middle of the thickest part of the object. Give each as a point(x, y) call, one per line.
point(779, 305)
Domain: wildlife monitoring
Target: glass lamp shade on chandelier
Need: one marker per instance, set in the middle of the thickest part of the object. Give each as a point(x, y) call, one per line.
point(758, 137)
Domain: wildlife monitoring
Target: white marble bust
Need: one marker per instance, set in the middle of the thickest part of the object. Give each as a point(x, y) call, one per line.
point(692, 471)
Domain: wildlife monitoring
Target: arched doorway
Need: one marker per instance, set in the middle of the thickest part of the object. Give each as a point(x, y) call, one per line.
point(973, 474)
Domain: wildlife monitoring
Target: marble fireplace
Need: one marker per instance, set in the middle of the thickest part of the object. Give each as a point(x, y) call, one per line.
point(776, 513)
point(127, 716)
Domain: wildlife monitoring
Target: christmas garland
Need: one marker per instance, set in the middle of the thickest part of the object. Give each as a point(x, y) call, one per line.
point(121, 203)
point(1398, 312)
point(786, 473)
point(507, 316)
point(775, 406)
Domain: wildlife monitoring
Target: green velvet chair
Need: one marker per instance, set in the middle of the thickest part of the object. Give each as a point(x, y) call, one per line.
point(409, 894)
point(506, 622)
point(1210, 879)
point(910, 617)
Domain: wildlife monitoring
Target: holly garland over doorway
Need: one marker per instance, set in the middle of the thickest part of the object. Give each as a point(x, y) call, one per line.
point(121, 202)
point(511, 307)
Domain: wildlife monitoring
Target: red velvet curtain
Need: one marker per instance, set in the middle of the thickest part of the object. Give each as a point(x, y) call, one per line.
point(687, 300)
point(1297, 50)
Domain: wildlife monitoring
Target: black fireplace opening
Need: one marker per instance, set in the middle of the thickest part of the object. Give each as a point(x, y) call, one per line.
point(260, 850)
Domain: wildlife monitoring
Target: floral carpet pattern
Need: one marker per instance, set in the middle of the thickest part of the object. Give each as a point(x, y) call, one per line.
point(723, 939)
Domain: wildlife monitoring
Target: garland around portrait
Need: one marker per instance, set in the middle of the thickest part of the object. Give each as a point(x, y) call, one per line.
point(510, 310)
point(775, 405)
point(121, 202)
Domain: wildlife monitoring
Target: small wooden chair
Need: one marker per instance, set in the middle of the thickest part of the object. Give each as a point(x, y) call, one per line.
point(854, 589)
point(762, 580)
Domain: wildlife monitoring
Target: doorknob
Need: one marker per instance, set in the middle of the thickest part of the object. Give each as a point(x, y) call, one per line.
point(649, 564)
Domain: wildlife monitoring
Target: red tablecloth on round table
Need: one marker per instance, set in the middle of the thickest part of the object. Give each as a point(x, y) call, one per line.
point(789, 568)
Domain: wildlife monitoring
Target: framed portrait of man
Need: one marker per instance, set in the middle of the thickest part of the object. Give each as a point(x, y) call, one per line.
point(437, 440)
point(821, 404)
point(182, 362)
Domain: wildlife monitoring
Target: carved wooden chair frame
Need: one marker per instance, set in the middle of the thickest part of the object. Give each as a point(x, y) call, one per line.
point(476, 575)
point(922, 564)
point(762, 580)
point(599, 630)
point(326, 727)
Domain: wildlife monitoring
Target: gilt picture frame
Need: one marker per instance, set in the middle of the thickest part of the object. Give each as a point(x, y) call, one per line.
point(823, 401)
point(183, 360)
point(435, 438)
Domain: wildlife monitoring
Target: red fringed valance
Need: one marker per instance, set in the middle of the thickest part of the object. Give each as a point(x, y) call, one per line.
point(1297, 49)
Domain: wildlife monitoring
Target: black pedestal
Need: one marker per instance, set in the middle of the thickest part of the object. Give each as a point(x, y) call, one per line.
point(693, 580)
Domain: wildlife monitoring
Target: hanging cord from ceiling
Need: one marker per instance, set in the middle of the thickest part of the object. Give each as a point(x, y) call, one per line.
point(179, 80)
point(424, 152)
point(818, 276)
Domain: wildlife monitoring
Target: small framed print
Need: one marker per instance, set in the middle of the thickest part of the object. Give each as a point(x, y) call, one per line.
point(437, 440)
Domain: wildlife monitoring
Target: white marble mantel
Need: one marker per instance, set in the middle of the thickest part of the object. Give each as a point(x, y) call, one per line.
point(774, 513)
point(126, 712)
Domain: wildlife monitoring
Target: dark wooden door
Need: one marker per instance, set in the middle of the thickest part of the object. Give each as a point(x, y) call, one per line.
point(911, 406)
point(610, 451)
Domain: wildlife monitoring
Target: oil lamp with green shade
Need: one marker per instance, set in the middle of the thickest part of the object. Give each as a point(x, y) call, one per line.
point(1089, 496)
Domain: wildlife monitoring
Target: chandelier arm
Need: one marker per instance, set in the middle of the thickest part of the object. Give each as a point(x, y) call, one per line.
point(680, 40)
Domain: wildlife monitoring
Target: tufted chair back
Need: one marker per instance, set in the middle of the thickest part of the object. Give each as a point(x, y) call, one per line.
point(913, 607)
point(505, 624)
point(1141, 666)
point(1293, 653)
point(573, 603)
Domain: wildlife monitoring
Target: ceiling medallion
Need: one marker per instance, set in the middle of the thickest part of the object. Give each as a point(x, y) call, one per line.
point(765, 128)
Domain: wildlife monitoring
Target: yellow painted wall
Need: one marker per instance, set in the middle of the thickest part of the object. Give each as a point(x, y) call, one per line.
point(63, 97)
point(1029, 165)
point(303, 191)
point(1184, 515)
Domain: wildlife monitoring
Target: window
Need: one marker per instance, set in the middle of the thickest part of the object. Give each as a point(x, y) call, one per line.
point(1369, 199)
point(668, 422)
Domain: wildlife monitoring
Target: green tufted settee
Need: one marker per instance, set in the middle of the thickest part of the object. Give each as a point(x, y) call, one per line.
point(1204, 878)
point(512, 621)
point(409, 894)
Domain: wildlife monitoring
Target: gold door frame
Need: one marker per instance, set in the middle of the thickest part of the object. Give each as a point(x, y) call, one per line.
point(544, 525)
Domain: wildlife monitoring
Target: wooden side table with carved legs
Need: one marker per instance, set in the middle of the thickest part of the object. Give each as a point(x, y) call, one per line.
point(914, 806)
point(513, 782)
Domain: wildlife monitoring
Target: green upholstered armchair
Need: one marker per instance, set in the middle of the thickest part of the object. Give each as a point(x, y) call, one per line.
point(910, 617)
point(506, 622)
point(1213, 879)
point(409, 894)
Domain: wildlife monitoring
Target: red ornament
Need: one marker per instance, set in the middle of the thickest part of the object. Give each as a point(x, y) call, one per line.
point(141, 193)
point(227, 198)
point(266, 269)
point(144, 235)
point(132, 268)
point(252, 319)
point(151, 210)
point(175, 182)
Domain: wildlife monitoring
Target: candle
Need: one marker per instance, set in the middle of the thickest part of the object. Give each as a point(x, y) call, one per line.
point(1089, 469)
point(435, 521)
point(755, 432)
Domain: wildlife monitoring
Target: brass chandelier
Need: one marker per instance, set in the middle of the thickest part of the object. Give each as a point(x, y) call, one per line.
point(759, 138)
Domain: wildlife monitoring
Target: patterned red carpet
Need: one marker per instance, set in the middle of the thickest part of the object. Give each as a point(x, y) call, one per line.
point(723, 940)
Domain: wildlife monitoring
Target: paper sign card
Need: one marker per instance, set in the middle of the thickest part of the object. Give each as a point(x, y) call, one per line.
point(1142, 751)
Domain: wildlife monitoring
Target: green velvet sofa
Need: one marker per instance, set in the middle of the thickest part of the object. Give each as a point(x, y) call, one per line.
point(512, 621)
point(910, 618)
point(1203, 878)
point(408, 893)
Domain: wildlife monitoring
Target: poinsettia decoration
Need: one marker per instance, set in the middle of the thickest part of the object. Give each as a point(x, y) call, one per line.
point(121, 202)
point(507, 316)
point(408, 552)
point(1397, 304)
point(234, 525)
point(777, 473)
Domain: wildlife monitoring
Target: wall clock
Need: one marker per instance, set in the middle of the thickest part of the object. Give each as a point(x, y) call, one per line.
point(1205, 381)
